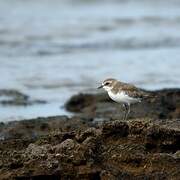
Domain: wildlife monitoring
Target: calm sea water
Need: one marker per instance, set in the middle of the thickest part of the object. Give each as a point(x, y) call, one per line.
point(53, 49)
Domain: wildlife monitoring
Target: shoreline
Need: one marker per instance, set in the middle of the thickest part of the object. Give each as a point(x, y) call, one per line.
point(96, 143)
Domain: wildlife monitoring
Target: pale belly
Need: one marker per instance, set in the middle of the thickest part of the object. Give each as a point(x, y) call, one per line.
point(122, 98)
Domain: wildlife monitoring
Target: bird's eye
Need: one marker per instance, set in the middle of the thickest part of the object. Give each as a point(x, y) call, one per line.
point(107, 83)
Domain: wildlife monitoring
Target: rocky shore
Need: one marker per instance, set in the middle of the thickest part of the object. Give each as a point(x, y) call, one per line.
point(96, 143)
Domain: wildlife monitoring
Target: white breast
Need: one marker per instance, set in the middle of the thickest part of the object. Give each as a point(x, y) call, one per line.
point(122, 97)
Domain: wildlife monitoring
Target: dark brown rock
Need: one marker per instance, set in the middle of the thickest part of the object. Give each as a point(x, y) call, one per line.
point(80, 102)
point(136, 149)
point(115, 128)
point(163, 139)
point(91, 132)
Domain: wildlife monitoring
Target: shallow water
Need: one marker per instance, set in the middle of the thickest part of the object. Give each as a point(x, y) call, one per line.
point(51, 50)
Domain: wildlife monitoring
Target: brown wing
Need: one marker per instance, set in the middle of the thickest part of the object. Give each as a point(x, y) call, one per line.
point(133, 91)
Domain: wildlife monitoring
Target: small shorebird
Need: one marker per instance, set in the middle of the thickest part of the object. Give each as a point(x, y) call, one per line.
point(124, 93)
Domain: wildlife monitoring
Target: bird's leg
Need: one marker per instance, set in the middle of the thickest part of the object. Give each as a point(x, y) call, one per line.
point(127, 110)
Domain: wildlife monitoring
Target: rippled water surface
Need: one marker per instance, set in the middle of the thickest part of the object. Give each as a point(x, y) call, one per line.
point(53, 49)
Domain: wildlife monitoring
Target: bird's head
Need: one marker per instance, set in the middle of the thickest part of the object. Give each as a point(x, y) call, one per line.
point(108, 84)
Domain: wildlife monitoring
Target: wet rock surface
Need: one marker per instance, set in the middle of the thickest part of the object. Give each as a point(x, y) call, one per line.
point(82, 147)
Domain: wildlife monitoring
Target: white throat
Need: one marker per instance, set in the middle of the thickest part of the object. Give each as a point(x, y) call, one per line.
point(107, 88)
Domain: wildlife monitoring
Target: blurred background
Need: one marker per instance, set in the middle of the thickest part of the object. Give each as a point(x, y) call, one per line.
point(53, 49)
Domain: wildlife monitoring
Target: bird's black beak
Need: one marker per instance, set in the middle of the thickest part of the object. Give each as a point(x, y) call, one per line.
point(101, 86)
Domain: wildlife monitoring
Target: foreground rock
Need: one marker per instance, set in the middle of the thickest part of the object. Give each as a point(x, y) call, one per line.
point(135, 149)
